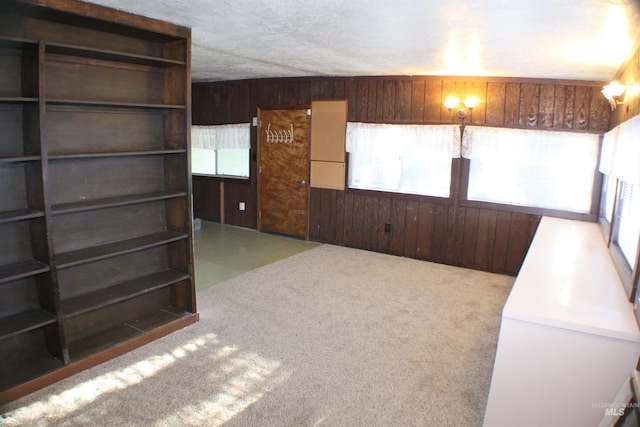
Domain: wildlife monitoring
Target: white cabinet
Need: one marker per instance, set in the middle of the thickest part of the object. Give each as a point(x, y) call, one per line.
point(568, 337)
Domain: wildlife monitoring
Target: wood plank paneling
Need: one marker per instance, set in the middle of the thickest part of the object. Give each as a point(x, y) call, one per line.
point(236, 191)
point(314, 214)
point(496, 96)
point(351, 88)
point(512, 105)
point(598, 111)
point(384, 217)
point(470, 237)
point(398, 227)
point(379, 107)
point(362, 101)
point(441, 234)
point(417, 100)
point(412, 213)
point(546, 106)
point(479, 113)
point(501, 247)
point(337, 217)
point(629, 73)
point(371, 224)
point(404, 98)
point(518, 242)
point(338, 90)
point(433, 102)
point(389, 100)
point(206, 198)
point(426, 231)
point(357, 226)
point(529, 104)
point(569, 107)
point(326, 233)
point(326, 89)
point(348, 219)
point(373, 101)
point(484, 239)
point(582, 103)
point(559, 106)
point(304, 93)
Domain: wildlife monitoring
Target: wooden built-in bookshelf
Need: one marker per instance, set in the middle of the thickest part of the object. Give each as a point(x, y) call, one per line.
point(95, 190)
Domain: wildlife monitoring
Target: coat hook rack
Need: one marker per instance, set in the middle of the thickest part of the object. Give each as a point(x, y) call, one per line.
point(280, 136)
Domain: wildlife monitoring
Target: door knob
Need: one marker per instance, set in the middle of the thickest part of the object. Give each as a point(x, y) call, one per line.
point(302, 182)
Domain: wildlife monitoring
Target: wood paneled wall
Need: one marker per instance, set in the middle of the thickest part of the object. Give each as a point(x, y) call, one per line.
point(628, 74)
point(439, 231)
point(481, 239)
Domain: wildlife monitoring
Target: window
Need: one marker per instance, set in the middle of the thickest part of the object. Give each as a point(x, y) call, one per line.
point(608, 198)
point(413, 159)
point(627, 227)
point(221, 150)
point(619, 162)
point(609, 182)
point(540, 169)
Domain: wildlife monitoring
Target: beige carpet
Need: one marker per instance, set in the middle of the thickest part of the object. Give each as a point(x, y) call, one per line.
point(329, 337)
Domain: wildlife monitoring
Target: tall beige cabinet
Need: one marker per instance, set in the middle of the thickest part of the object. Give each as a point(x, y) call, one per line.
point(96, 252)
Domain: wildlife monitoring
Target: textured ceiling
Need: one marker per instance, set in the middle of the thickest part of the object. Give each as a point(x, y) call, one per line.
point(558, 39)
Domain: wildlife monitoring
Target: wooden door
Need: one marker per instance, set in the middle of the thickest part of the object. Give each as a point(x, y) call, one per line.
point(284, 171)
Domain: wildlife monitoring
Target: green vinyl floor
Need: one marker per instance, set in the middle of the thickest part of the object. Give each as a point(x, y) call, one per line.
point(224, 251)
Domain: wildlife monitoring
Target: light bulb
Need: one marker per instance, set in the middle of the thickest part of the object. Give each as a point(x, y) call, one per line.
point(471, 102)
point(451, 102)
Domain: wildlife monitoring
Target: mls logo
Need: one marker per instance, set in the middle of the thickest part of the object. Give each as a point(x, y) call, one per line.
point(614, 412)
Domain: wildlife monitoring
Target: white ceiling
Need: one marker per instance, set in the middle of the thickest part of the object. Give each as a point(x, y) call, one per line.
point(558, 39)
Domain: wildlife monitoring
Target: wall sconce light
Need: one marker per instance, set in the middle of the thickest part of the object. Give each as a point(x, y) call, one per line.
point(463, 108)
point(615, 94)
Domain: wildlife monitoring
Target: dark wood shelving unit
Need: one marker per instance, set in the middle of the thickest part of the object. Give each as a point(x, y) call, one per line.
point(25, 322)
point(19, 159)
point(113, 104)
point(17, 100)
point(25, 370)
point(20, 214)
point(18, 270)
point(113, 154)
point(16, 42)
point(93, 344)
point(108, 250)
point(124, 291)
point(95, 188)
point(115, 201)
point(110, 55)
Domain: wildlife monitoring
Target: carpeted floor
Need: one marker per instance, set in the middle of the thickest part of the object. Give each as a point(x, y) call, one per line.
point(329, 337)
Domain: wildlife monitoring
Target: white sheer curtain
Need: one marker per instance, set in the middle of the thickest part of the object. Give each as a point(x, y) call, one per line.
point(413, 159)
point(606, 167)
point(534, 168)
point(221, 136)
point(609, 140)
point(625, 155)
